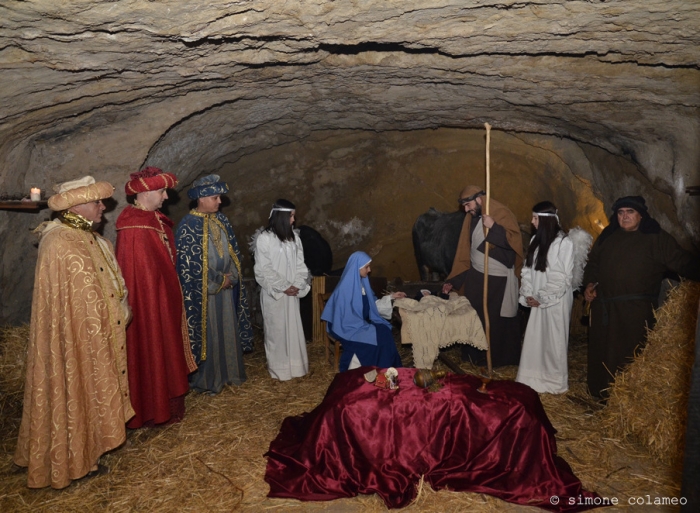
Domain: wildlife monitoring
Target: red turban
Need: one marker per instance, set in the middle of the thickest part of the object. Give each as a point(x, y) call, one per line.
point(149, 179)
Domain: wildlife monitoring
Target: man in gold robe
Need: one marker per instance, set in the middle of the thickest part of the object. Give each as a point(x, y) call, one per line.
point(76, 396)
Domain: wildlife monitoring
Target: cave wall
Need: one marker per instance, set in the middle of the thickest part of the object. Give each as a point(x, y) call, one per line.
point(589, 101)
point(364, 190)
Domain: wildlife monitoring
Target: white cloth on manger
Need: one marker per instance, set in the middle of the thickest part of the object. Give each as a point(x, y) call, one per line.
point(434, 323)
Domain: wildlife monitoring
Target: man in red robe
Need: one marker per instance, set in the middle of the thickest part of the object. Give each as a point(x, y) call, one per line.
point(158, 347)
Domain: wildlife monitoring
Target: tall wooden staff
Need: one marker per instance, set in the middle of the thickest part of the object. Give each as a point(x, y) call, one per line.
point(487, 325)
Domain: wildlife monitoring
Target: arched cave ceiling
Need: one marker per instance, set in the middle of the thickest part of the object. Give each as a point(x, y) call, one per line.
point(331, 102)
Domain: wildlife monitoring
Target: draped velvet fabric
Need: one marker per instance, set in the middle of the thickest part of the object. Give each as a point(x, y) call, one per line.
point(362, 440)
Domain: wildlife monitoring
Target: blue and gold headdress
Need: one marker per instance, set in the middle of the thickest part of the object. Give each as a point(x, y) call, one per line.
point(209, 185)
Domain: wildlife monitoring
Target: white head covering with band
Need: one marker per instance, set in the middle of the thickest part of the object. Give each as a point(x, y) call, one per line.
point(546, 214)
point(280, 209)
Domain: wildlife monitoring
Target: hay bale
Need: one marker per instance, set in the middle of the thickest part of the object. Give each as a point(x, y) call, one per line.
point(13, 364)
point(13, 358)
point(649, 400)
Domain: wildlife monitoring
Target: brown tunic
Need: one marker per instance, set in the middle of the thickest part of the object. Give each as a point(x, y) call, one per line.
point(629, 268)
point(503, 217)
point(504, 336)
point(506, 247)
point(76, 397)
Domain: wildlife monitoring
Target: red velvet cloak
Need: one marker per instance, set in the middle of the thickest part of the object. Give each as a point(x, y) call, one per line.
point(158, 350)
point(362, 440)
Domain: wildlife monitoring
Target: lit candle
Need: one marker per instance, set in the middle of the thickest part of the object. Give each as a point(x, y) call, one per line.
point(35, 194)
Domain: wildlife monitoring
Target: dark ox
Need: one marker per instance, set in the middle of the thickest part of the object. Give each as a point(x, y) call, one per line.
point(318, 256)
point(435, 238)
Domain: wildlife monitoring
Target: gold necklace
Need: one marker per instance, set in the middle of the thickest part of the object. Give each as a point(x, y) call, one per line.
point(79, 222)
point(215, 232)
point(76, 221)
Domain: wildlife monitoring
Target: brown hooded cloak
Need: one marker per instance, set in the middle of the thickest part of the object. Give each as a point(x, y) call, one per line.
point(507, 248)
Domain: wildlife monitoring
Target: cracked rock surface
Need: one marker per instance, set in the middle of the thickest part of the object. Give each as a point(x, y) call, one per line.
point(365, 114)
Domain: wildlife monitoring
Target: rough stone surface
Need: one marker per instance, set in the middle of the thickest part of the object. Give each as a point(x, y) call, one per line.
point(363, 113)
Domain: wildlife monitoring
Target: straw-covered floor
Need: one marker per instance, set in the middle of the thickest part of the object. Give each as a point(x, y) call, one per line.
point(213, 460)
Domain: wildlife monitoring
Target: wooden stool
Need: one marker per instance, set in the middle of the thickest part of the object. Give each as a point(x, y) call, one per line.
point(329, 342)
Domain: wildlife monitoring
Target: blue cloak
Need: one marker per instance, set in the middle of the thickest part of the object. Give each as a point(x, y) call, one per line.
point(192, 239)
point(344, 309)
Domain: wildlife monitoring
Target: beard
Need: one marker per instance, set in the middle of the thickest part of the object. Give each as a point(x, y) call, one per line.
point(477, 211)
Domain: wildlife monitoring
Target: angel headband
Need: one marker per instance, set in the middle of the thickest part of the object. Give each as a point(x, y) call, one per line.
point(280, 209)
point(546, 214)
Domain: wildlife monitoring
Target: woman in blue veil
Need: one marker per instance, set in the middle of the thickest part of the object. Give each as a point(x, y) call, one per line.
point(358, 321)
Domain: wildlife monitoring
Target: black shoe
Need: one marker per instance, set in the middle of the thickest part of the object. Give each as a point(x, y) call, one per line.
point(16, 469)
point(101, 470)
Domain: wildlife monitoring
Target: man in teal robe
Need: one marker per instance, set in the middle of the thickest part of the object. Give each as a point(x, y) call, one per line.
point(216, 305)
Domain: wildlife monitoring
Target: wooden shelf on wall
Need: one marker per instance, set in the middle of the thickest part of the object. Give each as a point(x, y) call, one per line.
point(23, 206)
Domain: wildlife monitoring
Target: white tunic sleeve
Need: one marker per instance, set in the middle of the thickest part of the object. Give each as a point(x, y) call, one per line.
point(560, 267)
point(525, 285)
point(385, 307)
point(526, 282)
point(302, 279)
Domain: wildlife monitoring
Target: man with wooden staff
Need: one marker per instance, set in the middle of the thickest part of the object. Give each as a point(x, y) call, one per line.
point(504, 264)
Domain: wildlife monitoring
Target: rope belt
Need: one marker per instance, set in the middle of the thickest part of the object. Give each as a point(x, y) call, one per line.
point(626, 297)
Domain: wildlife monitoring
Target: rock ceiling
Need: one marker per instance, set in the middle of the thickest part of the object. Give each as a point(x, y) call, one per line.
point(611, 88)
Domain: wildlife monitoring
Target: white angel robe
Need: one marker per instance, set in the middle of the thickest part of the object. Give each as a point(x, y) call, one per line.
point(543, 361)
point(279, 265)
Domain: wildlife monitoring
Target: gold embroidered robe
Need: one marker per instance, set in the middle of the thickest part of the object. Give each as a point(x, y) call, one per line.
point(76, 397)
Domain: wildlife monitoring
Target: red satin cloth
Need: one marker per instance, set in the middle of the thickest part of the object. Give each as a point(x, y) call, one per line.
point(364, 440)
